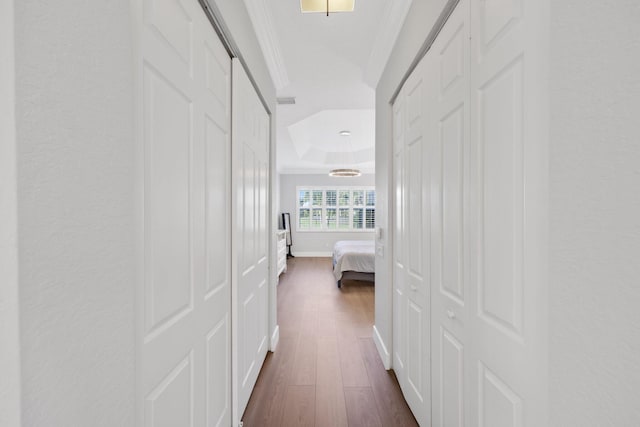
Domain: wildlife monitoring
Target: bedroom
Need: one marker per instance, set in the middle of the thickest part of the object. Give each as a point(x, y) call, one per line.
point(316, 134)
point(325, 121)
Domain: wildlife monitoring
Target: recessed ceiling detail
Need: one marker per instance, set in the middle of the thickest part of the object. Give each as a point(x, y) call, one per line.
point(318, 138)
point(322, 130)
point(330, 65)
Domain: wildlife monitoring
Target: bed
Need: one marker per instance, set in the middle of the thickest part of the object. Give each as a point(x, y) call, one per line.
point(354, 260)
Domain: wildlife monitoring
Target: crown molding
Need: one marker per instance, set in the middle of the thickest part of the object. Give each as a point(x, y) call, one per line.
point(394, 15)
point(262, 21)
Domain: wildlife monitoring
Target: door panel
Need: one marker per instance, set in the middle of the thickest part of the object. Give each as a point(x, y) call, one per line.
point(218, 372)
point(173, 22)
point(508, 275)
point(448, 127)
point(470, 194)
point(170, 403)
point(167, 167)
point(452, 146)
point(415, 355)
point(415, 231)
point(411, 346)
point(500, 406)
point(495, 19)
point(452, 371)
point(500, 142)
point(250, 262)
point(183, 300)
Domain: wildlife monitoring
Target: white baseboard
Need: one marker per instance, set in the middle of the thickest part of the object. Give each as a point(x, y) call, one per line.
point(313, 254)
point(382, 349)
point(275, 338)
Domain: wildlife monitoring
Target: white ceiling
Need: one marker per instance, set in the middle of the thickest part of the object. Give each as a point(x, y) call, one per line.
point(331, 66)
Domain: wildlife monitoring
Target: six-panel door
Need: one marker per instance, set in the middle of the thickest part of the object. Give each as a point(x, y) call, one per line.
point(411, 293)
point(483, 132)
point(250, 159)
point(183, 300)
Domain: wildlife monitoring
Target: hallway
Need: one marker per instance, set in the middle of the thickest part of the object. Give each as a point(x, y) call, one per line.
point(326, 370)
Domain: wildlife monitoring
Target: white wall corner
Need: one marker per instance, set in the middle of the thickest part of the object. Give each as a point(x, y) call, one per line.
point(260, 15)
point(382, 349)
point(394, 15)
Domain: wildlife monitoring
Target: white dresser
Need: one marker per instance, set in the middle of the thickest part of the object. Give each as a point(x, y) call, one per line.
point(281, 238)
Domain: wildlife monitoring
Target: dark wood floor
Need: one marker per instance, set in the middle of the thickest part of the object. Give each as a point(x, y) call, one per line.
point(326, 370)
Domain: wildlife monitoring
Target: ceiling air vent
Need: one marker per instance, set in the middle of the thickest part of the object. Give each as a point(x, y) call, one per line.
point(286, 100)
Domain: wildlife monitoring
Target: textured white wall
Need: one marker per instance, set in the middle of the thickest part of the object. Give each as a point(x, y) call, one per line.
point(595, 213)
point(9, 307)
point(420, 19)
point(309, 242)
point(74, 88)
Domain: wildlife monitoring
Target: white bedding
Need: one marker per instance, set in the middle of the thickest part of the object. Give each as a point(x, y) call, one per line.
point(354, 255)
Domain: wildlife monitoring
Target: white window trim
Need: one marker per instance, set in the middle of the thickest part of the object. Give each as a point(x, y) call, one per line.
point(324, 207)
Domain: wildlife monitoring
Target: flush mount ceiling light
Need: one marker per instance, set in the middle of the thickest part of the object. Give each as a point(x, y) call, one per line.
point(345, 133)
point(313, 6)
point(345, 172)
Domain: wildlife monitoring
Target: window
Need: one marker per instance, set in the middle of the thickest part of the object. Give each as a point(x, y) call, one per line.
point(336, 208)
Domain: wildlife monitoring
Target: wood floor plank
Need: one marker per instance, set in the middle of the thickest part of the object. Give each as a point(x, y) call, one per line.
point(326, 324)
point(269, 395)
point(350, 316)
point(362, 409)
point(309, 323)
point(354, 373)
point(307, 381)
point(299, 407)
point(304, 364)
point(392, 407)
point(289, 322)
point(330, 404)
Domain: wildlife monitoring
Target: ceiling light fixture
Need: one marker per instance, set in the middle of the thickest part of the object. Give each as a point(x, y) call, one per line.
point(345, 172)
point(326, 6)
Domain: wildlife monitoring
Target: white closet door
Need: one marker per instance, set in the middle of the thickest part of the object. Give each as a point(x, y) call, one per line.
point(411, 269)
point(508, 126)
point(183, 296)
point(250, 155)
point(448, 127)
point(399, 298)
